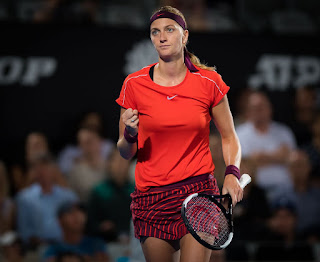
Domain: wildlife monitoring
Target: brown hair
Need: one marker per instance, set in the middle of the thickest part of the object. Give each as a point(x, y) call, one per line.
point(194, 59)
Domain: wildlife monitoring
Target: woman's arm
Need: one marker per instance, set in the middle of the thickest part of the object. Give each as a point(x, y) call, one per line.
point(128, 120)
point(223, 120)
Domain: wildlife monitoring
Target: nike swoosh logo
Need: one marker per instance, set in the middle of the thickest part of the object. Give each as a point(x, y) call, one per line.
point(170, 98)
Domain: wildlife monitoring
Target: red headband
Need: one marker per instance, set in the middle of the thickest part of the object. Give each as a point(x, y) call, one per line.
point(180, 21)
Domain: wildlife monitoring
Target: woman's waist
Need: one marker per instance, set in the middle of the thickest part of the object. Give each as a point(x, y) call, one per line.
point(165, 185)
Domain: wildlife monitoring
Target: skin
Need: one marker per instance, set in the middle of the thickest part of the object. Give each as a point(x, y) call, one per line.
point(169, 39)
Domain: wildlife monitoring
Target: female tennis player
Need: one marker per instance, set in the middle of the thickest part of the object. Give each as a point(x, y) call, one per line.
point(165, 116)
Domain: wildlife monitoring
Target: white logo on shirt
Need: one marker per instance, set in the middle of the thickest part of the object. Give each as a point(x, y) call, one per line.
point(170, 98)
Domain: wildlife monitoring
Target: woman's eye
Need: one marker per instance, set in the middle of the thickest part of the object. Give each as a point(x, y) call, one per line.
point(170, 29)
point(154, 32)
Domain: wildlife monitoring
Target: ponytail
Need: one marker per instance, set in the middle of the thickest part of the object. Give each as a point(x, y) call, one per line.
point(196, 61)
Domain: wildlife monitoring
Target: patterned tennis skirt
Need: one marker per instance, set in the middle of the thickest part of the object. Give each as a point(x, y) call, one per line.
point(157, 212)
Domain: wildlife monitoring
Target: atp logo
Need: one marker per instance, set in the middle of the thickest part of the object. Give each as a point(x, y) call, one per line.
point(280, 72)
point(26, 71)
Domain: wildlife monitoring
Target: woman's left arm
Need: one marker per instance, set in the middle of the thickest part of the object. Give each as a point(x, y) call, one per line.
point(223, 120)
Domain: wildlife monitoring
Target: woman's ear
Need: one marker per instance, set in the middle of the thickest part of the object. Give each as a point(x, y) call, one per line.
point(185, 37)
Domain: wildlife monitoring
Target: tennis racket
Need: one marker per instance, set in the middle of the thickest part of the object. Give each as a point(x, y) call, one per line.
point(209, 217)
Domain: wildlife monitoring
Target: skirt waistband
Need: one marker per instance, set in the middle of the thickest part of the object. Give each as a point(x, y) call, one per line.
point(184, 182)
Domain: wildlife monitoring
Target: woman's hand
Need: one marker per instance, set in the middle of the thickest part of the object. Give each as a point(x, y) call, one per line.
point(128, 121)
point(232, 187)
point(130, 118)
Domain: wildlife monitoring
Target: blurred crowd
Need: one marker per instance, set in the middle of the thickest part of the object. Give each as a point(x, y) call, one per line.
point(75, 205)
point(277, 16)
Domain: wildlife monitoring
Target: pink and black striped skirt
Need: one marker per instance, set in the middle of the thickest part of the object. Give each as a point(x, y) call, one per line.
point(157, 212)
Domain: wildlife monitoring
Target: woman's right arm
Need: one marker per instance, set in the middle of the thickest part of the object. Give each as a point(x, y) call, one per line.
point(128, 120)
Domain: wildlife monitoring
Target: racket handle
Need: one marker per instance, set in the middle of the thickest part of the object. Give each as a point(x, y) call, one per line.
point(245, 179)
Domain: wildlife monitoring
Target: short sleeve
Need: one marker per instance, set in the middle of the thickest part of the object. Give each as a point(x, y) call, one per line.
point(220, 89)
point(126, 97)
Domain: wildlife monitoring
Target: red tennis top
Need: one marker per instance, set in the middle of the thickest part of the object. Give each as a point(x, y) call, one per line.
point(173, 137)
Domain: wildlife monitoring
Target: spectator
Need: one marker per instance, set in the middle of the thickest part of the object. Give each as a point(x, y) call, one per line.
point(109, 206)
point(305, 106)
point(241, 103)
point(70, 153)
point(37, 144)
point(75, 243)
point(266, 144)
point(313, 150)
point(90, 167)
point(283, 244)
point(7, 210)
point(38, 203)
point(305, 195)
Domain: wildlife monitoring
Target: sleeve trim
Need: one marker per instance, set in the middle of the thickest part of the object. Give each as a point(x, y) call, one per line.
point(211, 81)
point(125, 87)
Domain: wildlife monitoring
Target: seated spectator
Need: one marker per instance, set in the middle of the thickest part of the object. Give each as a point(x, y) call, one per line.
point(304, 112)
point(37, 144)
point(282, 244)
point(241, 103)
point(7, 210)
point(266, 144)
point(70, 153)
point(305, 195)
point(89, 168)
point(38, 203)
point(74, 243)
point(17, 175)
point(109, 205)
point(313, 150)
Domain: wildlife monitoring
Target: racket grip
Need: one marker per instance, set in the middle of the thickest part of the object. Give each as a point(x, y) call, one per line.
point(245, 179)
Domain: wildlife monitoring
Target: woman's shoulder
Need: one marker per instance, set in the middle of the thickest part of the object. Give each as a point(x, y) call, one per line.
point(206, 73)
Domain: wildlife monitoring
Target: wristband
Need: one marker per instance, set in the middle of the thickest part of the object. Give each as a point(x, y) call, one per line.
point(231, 169)
point(130, 139)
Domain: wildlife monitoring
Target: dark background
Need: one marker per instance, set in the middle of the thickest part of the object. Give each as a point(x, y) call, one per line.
point(90, 61)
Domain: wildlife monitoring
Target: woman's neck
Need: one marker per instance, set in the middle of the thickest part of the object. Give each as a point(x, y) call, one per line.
point(171, 68)
point(170, 73)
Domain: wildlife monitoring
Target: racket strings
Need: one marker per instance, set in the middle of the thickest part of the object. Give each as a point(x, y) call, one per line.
point(208, 221)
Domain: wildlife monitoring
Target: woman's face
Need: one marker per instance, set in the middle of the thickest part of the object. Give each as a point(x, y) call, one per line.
point(168, 38)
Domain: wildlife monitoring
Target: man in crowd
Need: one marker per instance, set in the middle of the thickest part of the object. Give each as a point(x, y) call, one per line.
point(75, 243)
point(37, 204)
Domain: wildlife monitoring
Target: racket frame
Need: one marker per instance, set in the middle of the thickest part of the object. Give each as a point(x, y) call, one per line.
point(227, 213)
